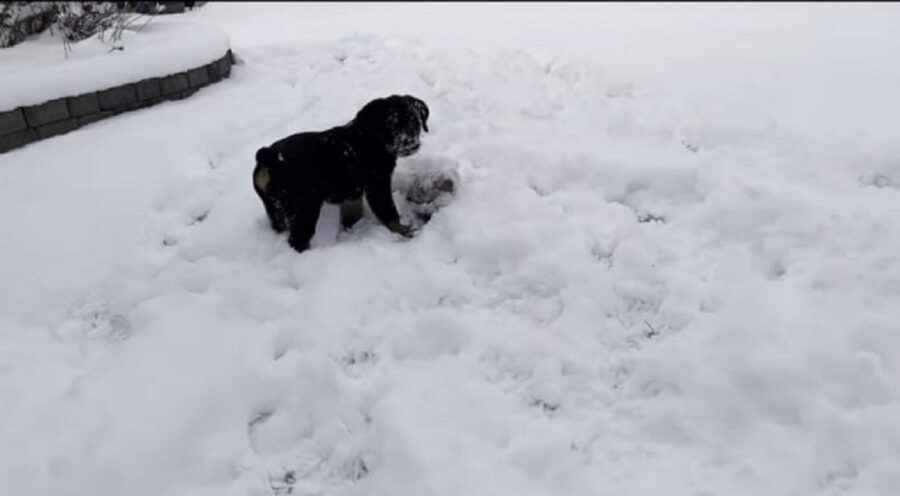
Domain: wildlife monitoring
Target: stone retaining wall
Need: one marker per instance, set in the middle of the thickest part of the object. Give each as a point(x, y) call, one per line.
point(36, 122)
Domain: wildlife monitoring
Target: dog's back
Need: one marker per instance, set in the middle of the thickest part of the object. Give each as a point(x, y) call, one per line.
point(283, 158)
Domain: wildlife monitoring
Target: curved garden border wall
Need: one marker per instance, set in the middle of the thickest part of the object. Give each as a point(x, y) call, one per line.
point(25, 125)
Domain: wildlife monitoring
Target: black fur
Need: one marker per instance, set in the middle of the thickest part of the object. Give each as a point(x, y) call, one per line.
point(296, 175)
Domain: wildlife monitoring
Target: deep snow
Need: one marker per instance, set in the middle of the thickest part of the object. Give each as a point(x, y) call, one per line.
point(671, 268)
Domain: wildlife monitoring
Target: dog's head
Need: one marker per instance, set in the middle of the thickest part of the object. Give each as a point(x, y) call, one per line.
point(394, 122)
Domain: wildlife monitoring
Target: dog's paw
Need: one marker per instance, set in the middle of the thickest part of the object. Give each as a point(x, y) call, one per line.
point(400, 228)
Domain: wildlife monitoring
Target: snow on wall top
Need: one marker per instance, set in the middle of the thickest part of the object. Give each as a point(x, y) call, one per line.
point(37, 71)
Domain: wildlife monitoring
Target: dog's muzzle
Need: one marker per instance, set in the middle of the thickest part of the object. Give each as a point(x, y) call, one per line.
point(406, 145)
point(408, 150)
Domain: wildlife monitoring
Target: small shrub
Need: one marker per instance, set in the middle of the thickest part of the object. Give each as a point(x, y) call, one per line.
point(18, 20)
point(74, 21)
point(81, 20)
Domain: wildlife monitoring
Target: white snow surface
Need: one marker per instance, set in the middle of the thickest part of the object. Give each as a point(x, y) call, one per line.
point(38, 70)
point(672, 265)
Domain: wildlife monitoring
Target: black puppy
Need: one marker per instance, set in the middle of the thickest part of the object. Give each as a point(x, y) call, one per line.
point(295, 175)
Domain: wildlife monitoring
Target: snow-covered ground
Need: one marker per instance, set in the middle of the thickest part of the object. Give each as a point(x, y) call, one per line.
point(41, 70)
point(673, 265)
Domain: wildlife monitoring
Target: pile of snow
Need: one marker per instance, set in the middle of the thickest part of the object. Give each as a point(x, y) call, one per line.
point(39, 70)
point(634, 291)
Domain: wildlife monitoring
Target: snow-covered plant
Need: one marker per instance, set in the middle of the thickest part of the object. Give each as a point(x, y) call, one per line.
point(21, 19)
point(81, 20)
point(74, 21)
point(109, 20)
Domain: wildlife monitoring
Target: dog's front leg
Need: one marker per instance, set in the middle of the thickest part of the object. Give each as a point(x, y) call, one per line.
point(351, 212)
point(378, 193)
point(303, 223)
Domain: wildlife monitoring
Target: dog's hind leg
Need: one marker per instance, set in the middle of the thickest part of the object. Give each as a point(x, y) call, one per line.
point(262, 184)
point(303, 223)
point(276, 212)
point(351, 212)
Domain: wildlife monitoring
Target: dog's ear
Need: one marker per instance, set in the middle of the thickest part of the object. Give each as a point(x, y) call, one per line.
point(421, 109)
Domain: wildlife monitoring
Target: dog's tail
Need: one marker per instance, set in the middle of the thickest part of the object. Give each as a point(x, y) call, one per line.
point(266, 156)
